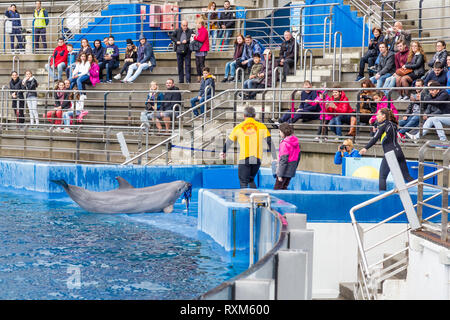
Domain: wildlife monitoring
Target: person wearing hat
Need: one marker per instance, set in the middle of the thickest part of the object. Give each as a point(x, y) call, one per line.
point(130, 58)
point(145, 60)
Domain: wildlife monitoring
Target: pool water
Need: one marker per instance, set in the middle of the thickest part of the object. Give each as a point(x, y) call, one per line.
point(52, 249)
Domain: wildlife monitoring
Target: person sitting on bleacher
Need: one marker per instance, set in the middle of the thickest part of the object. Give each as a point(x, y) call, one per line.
point(251, 47)
point(287, 54)
point(172, 97)
point(62, 102)
point(207, 84)
point(72, 112)
point(400, 59)
point(85, 48)
point(437, 74)
point(382, 102)
point(264, 78)
point(414, 68)
point(412, 115)
point(145, 60)
point(395, 34)
point(307, 110)
point(255, 77)
point(367, 107)
point(130, 58)
point(58, 62)
point(99, 53)
point(152, 106)
point(71, 60)
point(230, 66)
point(440, 55)
point(437, 112)
point(371, 55)
point(385, 67)
point(338, 102)
point(111, 58)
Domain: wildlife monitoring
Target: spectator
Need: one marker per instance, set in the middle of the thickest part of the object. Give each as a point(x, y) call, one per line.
point(130, 58)
point(200, 55)
point(249, 134)
point(181, 38)
point(62, 102)
point(448, 74)
point(80, 73)
point(13, 26)
point(366, 107)
point(145, 60)
point(382, 102)
point(395, 34)
point(344, 112)
point(18, 102)
point(437, 75)
point(172, 97)
point(71, 60)
point(306, 107)
point(153, 106)
point(414, 68)
point(287, 54)
point(99, 53)
point(106, 41)
point(346, 150)
point(230, 66)
point(400, 58)
point(94, 70)
point(111, 58)
point(288, 157)
point(212, 18)
point(74, 112)
point(226, 25)
point(85, 48)
point(326, 114)
point(412, 115)
point(251, 47)
point(263, 77)
point(58, 61)
point(67, 84)
point(371, 55)
point(40, 25)
point(256, 76)
point(437, 112)
point(29, 84)
point(440, 55)
point(207, 84)
point(385, 67)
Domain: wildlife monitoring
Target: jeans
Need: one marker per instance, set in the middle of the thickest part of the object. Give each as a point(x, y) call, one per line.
point(370, 60)
point(250, 83)
point(110, 65)
point(223, 37)
point(134, 67)
point(194, 102)
point(379, 83)
point(32, 107)
point(79, 81)
point(20, 38)
point(67, 117)
point(61, 67)
point(213, 37)
point(436, 122)
point(412, 122)
point(230, 69)
point(40, 33)
point(336, 122)
point(389, 83)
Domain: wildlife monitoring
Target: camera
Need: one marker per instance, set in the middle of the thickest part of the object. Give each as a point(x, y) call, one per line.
point(342, 147)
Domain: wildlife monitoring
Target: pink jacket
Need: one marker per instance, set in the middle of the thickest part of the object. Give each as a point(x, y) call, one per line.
point(203, 37)
point(382, 105)
point(94, 74)
point(288, 157)
point(324, 111)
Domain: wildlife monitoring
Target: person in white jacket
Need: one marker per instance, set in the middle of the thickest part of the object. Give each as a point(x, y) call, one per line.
point(80, 73)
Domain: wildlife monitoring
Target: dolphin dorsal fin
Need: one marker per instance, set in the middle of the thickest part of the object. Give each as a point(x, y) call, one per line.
point(123, 184)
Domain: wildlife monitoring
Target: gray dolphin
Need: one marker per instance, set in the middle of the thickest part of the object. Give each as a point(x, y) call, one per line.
point(126, 198)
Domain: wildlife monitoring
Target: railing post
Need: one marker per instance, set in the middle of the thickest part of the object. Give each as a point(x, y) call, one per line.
point(444, 214)
point(340, 56)
point(420, 18)
point(105, 106)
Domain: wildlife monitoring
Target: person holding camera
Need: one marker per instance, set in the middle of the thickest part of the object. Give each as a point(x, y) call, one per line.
point(346, 150)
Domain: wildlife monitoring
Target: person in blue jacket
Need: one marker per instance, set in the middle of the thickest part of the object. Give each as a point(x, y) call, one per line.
point(207, 80)
point(16, 27)
point(448, 74)
point(251, 47)
point(346, 150)
point(145, 60)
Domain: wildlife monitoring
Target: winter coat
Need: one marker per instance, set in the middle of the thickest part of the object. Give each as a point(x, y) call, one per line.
point(15, 18)
point(59, 55)
point(99, 53)
point(208, 81)
point(182, 48)
point(94, 74)
point(254, 47)
point(324, 111)
point(401, 58)
point(384, 104)
point(373, 49)
point(288, 157)
point(431, 75)
point(238, 50)
point(203, 37)
point(146, 55)
point(342, 105)
point(387, 64)
point(16, 85)
point(227, 18)
point(30, 85)
point(338, 156)
point(435, 105)
point(151, 100)
point(287, 50)
point(439, 56)
point(417, 64)
point(171, 97)
point(65, 103)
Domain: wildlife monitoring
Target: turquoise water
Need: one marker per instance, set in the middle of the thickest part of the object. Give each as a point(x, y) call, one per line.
point(52, 249)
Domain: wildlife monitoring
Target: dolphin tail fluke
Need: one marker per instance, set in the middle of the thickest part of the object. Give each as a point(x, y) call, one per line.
point(61, 182)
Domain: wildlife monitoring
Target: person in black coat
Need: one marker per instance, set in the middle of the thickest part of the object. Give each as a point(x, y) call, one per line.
point(372, 53)
point(287, 54)
point(226, 25)
point(18, 102)
point(171, 97)
point(99, 52)
point(181, 38)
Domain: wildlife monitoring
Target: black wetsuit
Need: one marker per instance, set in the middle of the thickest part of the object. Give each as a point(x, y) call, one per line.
point(387, 133)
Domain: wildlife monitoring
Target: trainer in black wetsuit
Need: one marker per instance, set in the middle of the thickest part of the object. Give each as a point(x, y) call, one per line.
point(387, 133)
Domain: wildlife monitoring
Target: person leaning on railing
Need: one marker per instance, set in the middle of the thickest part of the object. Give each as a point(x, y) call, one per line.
point(13, 26)
point(226, 25)
point(18, 102)
point(40, 25)
point(346, 150)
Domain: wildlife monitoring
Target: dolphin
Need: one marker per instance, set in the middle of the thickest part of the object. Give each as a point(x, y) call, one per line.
point(127, 199)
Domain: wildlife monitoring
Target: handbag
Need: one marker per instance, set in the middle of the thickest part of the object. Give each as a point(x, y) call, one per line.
point(403, 72)
point(8, 26)
point(195, 45)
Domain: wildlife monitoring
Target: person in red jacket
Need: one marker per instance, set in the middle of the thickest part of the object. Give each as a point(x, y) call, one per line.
point(401, 58)
point(200, 56)
point(288, 157)
point(58, 60)
point(339, 104)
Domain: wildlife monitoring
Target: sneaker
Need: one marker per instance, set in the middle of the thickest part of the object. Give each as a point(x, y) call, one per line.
point(66, 130)
point(224, 80)
point(413, 137)
point(117, 76)
point(405, 98)
point(359, 78)
point(109, 81)
point(231, 79)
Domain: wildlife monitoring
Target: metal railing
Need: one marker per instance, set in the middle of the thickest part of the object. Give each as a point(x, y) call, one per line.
point(370, 270)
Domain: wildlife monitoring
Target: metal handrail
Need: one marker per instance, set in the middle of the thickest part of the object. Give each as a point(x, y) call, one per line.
point(16, 58)
point(252, 212)
point(340, 56)
point(311, 57)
